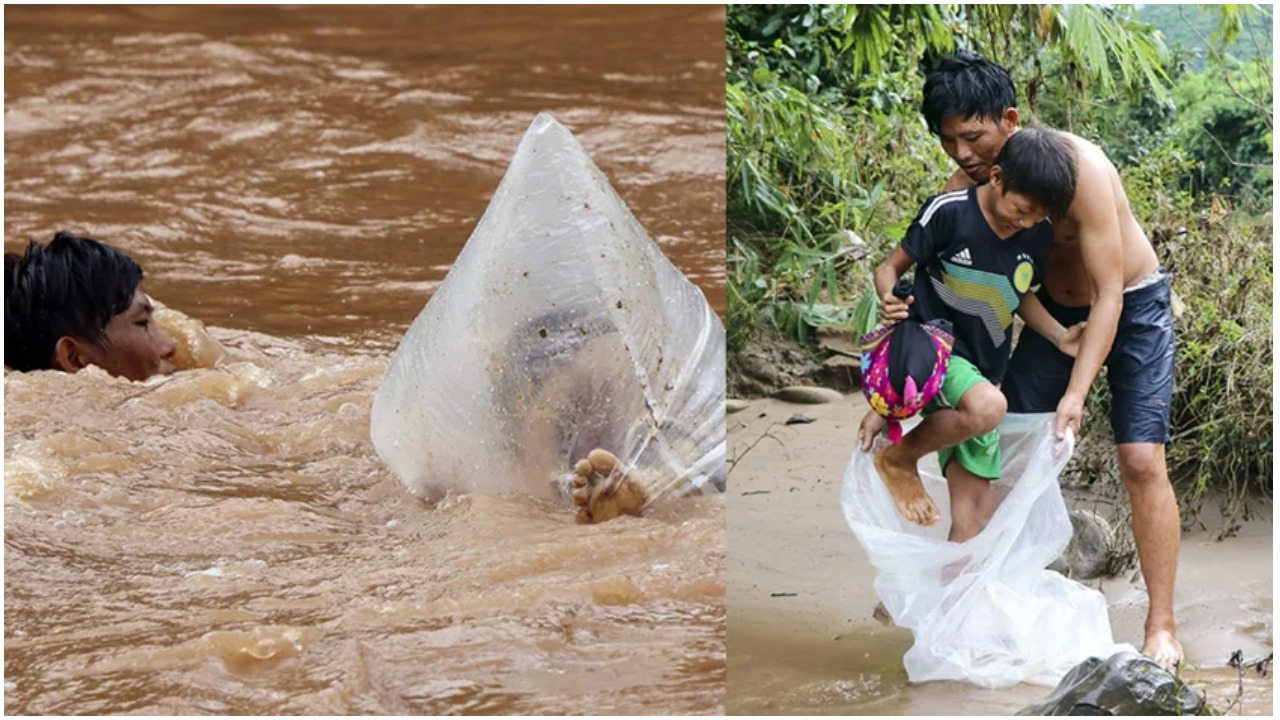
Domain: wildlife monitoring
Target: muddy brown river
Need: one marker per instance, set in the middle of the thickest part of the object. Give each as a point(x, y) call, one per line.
point(300, 180)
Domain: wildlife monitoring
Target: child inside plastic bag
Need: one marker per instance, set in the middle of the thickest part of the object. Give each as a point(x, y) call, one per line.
point(979, 252)
point(557, 398)
point(563, 356)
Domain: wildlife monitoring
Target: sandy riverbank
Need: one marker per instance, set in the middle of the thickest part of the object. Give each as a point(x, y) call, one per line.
point(802, 639)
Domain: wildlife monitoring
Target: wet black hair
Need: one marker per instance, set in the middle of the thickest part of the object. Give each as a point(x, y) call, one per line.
point(1041, 164)
point(71, 287)
point(967, 85)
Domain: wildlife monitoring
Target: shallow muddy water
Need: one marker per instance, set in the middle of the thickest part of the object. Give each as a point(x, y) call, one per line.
point(801, 633)
point(226, 540)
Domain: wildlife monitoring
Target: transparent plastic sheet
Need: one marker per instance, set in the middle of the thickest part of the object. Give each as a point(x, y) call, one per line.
point(560, 328)
point(985, 611)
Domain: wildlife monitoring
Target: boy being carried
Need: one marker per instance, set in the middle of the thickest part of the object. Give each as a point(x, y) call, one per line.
point(979, 253)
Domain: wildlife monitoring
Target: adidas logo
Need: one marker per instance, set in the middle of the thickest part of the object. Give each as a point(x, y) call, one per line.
point(962, 258)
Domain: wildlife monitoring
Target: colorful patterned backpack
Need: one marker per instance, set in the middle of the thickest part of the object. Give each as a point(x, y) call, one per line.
point(903, 366)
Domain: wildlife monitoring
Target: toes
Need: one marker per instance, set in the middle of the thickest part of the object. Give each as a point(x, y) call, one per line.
point(603, 461)
point(600, 492)
point(1166, 653)
point(581, 489)
point(921, 511)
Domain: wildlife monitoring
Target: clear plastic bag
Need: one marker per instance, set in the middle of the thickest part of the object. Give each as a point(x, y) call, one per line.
point(560, 328)
point(985, 611)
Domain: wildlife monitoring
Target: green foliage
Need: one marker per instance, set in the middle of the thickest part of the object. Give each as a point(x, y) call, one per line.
point(828, 160)
point(1069, 54)
point(1225, 124)
point(822, 49)
point(1245, 35)
point(808, 208)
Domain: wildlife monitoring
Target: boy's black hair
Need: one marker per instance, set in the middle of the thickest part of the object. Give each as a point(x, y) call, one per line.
point(1041, 164)
point(71, 287)
point(966, 84)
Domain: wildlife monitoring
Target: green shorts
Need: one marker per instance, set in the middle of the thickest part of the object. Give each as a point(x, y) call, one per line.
point(979, 455)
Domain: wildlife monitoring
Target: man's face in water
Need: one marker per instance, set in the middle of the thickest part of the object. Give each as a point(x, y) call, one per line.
point(135, 347)
point(974, 142)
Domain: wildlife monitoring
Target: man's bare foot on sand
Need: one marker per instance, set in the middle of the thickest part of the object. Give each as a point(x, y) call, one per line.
point(1162, 646)
point(905, 487)
point(602, 495)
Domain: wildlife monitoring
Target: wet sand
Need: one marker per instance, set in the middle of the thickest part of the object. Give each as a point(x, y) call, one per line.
point(802, 639)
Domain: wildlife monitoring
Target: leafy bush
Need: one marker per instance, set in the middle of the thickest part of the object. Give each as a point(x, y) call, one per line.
point(828, 159)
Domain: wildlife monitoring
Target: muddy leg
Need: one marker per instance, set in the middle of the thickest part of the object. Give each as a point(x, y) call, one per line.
point(972, 502)
point(900, 476)
point(972, 505)
point(979, 411)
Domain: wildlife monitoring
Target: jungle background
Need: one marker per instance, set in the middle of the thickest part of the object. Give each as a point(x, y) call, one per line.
point(829, 159)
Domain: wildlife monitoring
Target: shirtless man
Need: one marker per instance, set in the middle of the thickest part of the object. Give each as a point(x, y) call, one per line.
point(1102, 268)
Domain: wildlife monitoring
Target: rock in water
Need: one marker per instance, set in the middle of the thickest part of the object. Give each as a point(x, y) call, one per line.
point(1086, 555)
point(1125, 684)
point(806, 395)
point(560, 328)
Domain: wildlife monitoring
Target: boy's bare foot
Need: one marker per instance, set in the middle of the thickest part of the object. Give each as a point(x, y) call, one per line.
point(1162, 646)
point(600, 492)
point(905, 487)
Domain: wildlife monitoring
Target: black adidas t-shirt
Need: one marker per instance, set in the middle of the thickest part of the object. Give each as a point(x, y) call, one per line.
point(966, 274)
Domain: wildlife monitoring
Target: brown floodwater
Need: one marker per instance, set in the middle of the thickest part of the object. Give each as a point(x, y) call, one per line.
point(226, 540)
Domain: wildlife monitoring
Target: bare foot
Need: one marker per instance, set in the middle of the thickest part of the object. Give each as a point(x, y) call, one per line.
point(907, 491)
point(600, 492)
point(1162, 646)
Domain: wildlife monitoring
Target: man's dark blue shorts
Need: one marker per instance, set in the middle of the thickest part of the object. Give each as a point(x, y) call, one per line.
point(1139, 367)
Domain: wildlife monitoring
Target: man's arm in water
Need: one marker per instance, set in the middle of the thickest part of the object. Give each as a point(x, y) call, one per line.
point(1102, 250)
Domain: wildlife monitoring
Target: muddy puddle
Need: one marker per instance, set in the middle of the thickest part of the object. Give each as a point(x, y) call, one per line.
point(860, 672)
point(226, 540)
